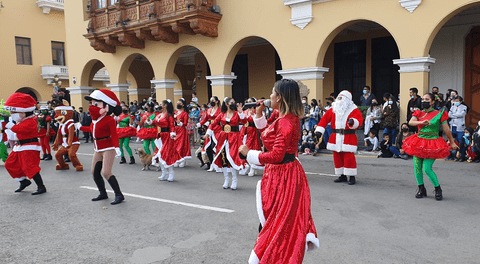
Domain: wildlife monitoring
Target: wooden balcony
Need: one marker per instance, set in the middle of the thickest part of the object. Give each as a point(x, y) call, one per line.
point(131, 23)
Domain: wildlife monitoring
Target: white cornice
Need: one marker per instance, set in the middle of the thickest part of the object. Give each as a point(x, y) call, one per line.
point(312, 73)
point(302, 13)
point(118, 87)
point(79, 89)
point(164, 84)
point(420, 64)
point(50, 4)
point(410, 5)
point(219, 80)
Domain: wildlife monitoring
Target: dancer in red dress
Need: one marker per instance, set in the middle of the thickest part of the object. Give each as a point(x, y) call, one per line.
point(182, 140)
point(229, 140)
point(211, 140)
point(105, 141)
point(251, 138)
point(166, 154)
point(283, 195)
point(345, 118)
point(24, 160)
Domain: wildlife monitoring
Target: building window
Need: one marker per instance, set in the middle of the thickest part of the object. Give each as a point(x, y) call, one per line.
point(112, 2)
point(24, 51)
point(58, 53)
point(101, 4)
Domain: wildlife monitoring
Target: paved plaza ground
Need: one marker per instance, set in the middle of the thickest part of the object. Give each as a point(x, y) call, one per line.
point(194, 220)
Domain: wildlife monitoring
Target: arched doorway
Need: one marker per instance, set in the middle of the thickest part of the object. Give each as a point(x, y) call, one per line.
point(29, 91)
point(137, 72)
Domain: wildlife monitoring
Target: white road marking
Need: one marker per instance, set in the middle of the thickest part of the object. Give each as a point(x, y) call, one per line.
point(169, 201)
point(321, 174)
point(86, 154)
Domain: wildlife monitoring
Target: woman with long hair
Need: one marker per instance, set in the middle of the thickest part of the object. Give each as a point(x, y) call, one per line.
point(182, 141)
point(251, 138)
point(391, 114)
point(283, 195)
point(426, 145)
point(229, 140)
point(166, 154)
point(210, 140)
point(314, 114)
point(148, 131)
point(125, 130)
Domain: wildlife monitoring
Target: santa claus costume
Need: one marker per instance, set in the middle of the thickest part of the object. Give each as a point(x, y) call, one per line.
point(182, 140)
point(210, 142)
point(105, 141)
point(45, 131)
point(166, 154)
point(125, 131)
point(23, 163)
point(251, 138)
point(229, 140)
point(345, 118)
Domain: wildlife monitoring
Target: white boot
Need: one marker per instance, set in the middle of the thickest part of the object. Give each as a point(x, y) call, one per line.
point(251, 173)
point(234, 179)
point(182, 164)
point(164, 173)
point(227, 180)
point(171, 174)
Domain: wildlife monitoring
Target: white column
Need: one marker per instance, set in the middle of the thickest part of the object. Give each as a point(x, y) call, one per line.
point(219, 80)
point(164, 89)
point(312, 73)
point(118, 87)
point(80, 90)
point(419, 64)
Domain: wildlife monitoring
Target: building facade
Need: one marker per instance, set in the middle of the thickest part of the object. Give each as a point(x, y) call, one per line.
point(170, 48)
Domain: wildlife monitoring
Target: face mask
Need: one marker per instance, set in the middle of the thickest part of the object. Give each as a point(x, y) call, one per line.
point(364, 91)
point(125, 111)
point(232, 107)
point(374, 104)
point(328, 103)
point(425, 105)
point(412, 97)
point(94, 112)
point(212, 104)
point(466, 135)
point(452, 97)
point(390, 102)
point(179, 106)
point(304, 102)
point(456, 103)
point(404, 129)
point(16, 117)
point(434, 92)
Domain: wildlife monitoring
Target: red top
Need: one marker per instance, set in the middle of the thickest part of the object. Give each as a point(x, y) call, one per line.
point(182, 117)
point(164, 121)
point(211, 117)
point(104, 133)
point(26, 129)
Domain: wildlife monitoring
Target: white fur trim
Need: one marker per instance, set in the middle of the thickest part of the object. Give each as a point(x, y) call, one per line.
point(226, 145)
point(320, 129)
point(209, 132)
point(207, 123)
point(258, 195)
point(98, 95)
point(64, 107)
point(350, 172)
point(159, 143)
point(261, 123)
point(253, 259)
point(339, 171)
point(9, 125)
point(252, 157)
point(19, 109)
point(241, 115)
point(103, 150)
point(20, 179)
point(18, 148)
point(314, 240)
point(356, 124)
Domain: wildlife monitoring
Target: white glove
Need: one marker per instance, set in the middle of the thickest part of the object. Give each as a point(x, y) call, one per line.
point(207, 124)
point(138, 128)
point(173, 135)
point(180, 124)
point(198, 125)
point(77, 126)
point(119, 153)
point(149, 121)
point(9, 125)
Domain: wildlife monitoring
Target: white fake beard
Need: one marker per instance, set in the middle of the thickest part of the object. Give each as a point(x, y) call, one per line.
point(340, 107)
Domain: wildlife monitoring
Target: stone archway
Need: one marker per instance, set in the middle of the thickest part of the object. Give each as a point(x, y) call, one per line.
point(30, 91)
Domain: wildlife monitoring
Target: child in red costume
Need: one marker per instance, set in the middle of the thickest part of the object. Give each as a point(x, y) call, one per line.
point(105, 141)
point(23, 163)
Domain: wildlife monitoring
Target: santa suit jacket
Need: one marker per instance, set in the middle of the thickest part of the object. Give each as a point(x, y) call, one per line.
point(104, 133)
point(339, 142)
point(26, 129)
point(66, 134)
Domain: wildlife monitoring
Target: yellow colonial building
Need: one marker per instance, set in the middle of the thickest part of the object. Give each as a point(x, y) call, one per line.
point(239, 48)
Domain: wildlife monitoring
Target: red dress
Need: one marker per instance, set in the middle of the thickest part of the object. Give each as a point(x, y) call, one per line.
point(182, 141)
point(427, 144)
point(229, 141)
point(251, 136)
point(165, 151)
point(283, 197)
point(124, 130)
point(147, 131)
point(210, 117)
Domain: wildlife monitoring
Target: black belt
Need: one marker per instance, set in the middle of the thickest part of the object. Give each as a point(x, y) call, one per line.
point(164, 129)
point(229, 128)
point(343, 131)
point(101, 138)
point(26, 141)
point(250, 124)
point(289, 157)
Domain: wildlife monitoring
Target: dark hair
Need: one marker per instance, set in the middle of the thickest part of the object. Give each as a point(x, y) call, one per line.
point(432, 97)
point(185, 108)
point(394, 105)
point(415, 90)
point(470, 130)
point(116, 110)
point(366, 86)
point(314, 101)
point(386, 95)
point(215, 98)
point(403, 124)
point(169, 107)
point(459, 98)
point(290, 92)
point(225, 105)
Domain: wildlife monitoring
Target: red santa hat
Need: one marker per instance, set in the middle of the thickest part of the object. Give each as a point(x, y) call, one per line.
point(64, 106)
point(20, 102)
point(346, 94)
point(104, 95)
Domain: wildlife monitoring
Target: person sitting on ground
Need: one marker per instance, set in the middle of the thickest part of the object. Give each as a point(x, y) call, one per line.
point(397, 149)
point(461, 153)
point(307, 141)
point(371, 142)
point(473, 151)
point(385, 147)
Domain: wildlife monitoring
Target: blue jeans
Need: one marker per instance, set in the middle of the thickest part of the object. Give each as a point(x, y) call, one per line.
point(392, 132)
point(312, 123)
point(459, 134)
point(395, 151)
point(326, 135)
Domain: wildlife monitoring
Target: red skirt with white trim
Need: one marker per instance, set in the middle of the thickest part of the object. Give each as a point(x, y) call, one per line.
point(124, 132)
point(147, 133)
point(426, 148)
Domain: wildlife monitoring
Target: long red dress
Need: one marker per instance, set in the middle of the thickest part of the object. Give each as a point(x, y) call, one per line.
point(229, 141)
point(210, 117)
point(182, 141)
point(165, 151)
point(283, 196)
point(251, 137)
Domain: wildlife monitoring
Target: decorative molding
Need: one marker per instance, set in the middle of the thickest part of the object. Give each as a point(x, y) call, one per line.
point(139, 91)
point(177, 92)
point(219, 80)
point(164, 84)
point(312, 73)
point(410, 5)
point(302, 11)
point(47, 5)
point(420, 64)
point(80, 89)
point(49, 72)
point(118, 87)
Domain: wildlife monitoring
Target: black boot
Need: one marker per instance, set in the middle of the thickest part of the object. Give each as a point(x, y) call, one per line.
point(342, 178)
point(66, 158)
point(208, 166)
point(199, 156)
point(132, 160)
point(44, 157)
point(438, 193)
point(41, 188)
point(352, 180)
point(48, 157)
point(118, 194)
point(97, 178)
point(23, 184)
point(421, 192)
point(123, 160)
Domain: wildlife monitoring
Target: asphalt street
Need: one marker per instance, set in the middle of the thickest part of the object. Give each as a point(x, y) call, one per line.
point(194, 220)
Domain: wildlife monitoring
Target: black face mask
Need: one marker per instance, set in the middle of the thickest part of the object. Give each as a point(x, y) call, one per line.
point(404, 129)
point(434, 92)
point(425, 105)
point(212, 104)
point(232, 107)
point(374, 104)
point(328, 103)
point(151, 110)
point(125, 111)
point(179, 106)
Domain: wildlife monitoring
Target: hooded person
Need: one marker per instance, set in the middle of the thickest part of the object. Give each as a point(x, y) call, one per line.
point(105, 141)
point(23, 163)
point(345, 118)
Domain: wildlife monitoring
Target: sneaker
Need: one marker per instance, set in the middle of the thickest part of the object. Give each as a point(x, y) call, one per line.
point(404, 156)
point(396, 156)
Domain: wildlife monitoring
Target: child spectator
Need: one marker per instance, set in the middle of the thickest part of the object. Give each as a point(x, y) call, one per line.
point(385, 147)
point(397, 149)
point(473, 151)
point(461, 153)
point(371, 142)
point(307, 141)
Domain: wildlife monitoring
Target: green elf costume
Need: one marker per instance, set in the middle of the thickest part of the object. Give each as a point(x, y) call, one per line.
point(148, 132)
point(3, 139)
point(125, 131)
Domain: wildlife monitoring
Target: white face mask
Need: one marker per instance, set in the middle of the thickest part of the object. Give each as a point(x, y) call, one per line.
point(304, 102)
point(16, 117)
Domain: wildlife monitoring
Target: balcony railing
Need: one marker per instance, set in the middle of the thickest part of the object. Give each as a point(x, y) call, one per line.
point(132, 22)
point(47, 5)
point(49, 72)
